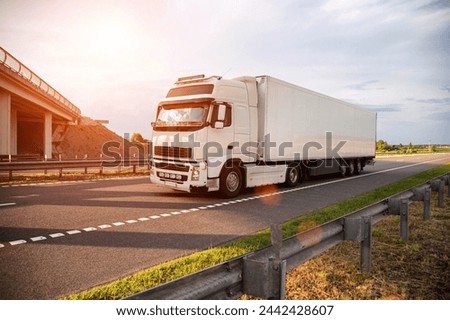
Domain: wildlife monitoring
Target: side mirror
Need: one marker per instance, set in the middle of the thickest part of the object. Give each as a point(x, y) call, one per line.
point(218, 124)
point(221, 112)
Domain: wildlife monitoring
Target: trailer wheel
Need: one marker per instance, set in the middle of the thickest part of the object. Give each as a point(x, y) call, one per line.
point(342, 170)
point(293, 174)
point(351, 168)
point(358, 166)
point(230, 182)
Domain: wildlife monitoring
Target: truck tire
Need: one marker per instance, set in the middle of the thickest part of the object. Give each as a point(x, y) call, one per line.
point(351, 168)
point(342, 169)
point(230, 182)
point(293, 174)
point(358, 166)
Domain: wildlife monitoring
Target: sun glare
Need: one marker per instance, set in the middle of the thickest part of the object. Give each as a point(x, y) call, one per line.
point(110, 39)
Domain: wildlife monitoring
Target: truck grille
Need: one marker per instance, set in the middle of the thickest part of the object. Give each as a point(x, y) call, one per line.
point(171, 166)
point(173, 152)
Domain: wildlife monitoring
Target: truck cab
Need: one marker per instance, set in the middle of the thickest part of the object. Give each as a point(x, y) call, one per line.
point(199, 131)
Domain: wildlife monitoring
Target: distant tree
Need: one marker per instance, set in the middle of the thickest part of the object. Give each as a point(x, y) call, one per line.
point(137, 138)
point(382, 146)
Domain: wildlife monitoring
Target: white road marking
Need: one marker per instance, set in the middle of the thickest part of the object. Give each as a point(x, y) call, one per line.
point(155, 217)
point(175, 213)
point(131, 221)
point(7, 204)
point(143, 219)
point(165, 215)
point(89, 229)
point(73, 232)
point(40, 238)
point(25, 196)
point(57, 235)
point(105, 226)
point(2, 245)
point(16, 242)
point(118, 224)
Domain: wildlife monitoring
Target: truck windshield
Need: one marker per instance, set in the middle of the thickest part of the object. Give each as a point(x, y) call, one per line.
point(181, 117)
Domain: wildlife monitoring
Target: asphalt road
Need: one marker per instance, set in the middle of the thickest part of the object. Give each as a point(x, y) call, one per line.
point(62, 238)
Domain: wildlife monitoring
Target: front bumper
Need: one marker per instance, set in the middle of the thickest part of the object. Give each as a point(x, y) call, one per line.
point(184, 176)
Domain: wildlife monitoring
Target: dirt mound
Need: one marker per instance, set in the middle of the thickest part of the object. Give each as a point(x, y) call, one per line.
point(90, 139)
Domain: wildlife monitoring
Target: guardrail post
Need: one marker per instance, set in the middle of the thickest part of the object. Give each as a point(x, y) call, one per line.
point(366, 245)
point(448, 184)
point(360, 229)
point(423, 193)
point(279, 268)
point(427, 204)
point(441, 193)
point(404, 219)
point(266, 278)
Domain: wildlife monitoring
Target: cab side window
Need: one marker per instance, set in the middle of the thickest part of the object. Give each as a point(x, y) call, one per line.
point(215, 114)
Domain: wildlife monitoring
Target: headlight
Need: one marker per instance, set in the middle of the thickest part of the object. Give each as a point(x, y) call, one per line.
point(195, 173)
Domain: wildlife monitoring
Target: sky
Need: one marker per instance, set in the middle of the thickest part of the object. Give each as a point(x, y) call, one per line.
point(116, 59)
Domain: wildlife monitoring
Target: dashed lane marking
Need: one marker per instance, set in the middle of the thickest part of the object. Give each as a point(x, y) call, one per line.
point(17, 242)
point(71, 232)
point(39, 238)
point(56, 235)
point(165, 214)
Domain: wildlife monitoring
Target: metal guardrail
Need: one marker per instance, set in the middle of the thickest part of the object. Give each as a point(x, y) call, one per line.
point(25, 73)
point(263, 273)
point(11, 167)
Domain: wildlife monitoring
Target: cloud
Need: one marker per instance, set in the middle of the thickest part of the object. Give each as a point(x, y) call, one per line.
point(363, 85)
point(383, 108)
point(446, 88)
point(373, 53)
point(435, 101)
point(440, 116)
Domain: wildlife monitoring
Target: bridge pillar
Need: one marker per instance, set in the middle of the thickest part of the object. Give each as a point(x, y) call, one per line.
point(48, 135)
point(13, 130)
point(5, 123)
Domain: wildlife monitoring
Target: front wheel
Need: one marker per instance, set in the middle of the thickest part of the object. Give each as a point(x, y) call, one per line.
point(231, 182)
point(293, 174)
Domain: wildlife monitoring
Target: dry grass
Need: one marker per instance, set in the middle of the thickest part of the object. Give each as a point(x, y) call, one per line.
point(417, 269)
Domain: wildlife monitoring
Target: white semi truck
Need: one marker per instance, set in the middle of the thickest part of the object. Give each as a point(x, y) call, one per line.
point(224, 135)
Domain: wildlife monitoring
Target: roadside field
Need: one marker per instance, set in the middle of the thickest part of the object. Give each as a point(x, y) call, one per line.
point(413, 270)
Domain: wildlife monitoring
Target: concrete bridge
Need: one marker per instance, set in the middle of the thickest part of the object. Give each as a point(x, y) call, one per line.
point(33, 115)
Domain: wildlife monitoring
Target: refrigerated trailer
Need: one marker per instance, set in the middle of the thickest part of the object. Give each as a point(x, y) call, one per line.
point(224, 135)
